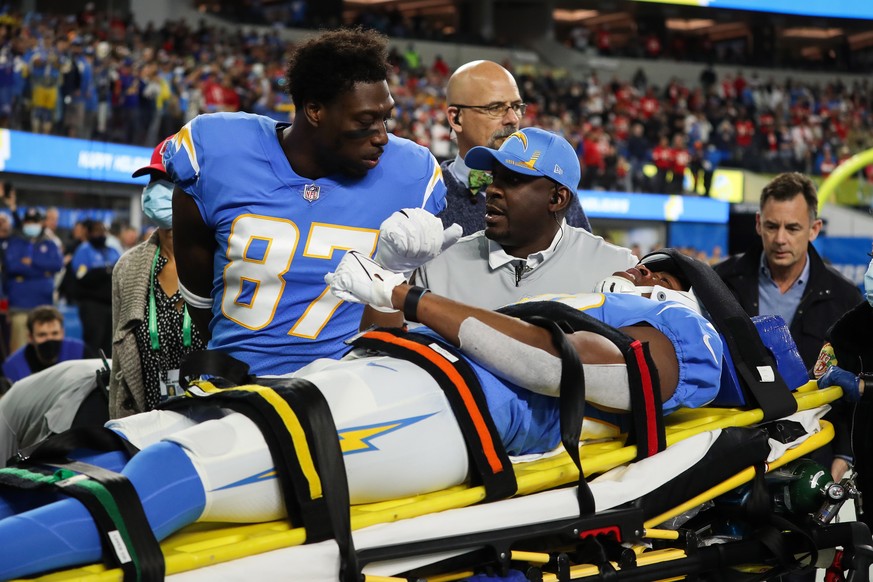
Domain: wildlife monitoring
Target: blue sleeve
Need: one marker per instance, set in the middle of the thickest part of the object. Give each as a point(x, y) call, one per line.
point(80, 259)
point(48, 260)
point(182, 157)
point(436, 202)
point(15, 251)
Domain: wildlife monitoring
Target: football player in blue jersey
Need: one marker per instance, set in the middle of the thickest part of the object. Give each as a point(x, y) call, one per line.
point(262, 210)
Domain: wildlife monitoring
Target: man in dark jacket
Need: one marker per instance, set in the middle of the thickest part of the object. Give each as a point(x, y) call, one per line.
point(783, 274)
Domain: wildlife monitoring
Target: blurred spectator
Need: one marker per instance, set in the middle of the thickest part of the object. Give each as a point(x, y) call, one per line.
point(51, 226)
point(92, 265)
point(681, 159)
point(662, 157)
point(32, 260)
point(46, 345)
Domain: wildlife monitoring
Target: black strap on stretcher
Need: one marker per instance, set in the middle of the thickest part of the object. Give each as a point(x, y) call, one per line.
point(571, 406)
point(128, 540)
point(648, 420)
point(301, 435)
point(490, 464)
point(756, 368)
point(215, 364)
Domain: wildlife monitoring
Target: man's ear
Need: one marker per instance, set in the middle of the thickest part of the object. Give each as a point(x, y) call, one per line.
point(758, 223)
point(453, 114)
point(314, 112)
point(815, 229)
point(560, 199)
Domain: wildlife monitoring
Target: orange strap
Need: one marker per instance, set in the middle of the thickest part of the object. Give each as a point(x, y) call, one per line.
point(463, 390)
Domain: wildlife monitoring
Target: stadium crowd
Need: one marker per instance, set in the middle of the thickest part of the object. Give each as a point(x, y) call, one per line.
point(95, 77)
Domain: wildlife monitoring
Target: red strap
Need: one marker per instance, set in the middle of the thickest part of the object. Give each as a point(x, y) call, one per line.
point(648, 397)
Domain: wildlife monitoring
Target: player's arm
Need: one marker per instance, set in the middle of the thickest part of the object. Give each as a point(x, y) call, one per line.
point(194, 246)
point(361, 280)
point(373, 318)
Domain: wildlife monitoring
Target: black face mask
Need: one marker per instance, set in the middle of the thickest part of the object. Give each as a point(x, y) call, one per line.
point(48, 351)
point(98, 242)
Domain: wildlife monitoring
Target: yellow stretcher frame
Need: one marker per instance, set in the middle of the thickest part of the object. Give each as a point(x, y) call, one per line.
point(205, 544)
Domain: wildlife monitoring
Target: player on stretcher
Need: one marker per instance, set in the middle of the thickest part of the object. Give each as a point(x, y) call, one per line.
point(398, 432)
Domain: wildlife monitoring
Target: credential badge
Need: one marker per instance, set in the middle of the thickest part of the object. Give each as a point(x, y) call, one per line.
point(311, 192)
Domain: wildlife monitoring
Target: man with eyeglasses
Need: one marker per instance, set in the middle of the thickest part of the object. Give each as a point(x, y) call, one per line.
point(484, 108)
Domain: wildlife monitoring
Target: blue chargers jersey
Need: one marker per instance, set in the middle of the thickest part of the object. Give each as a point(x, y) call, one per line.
point(696, 341)
point(279, 233)
point(529, 422)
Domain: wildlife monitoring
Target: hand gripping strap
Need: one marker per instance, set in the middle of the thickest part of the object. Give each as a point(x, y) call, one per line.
point(572, 406)
point(300, 432)
point(749, 354)
point(109, 497)
point(213, 363)
point(648, 421)
point(491, 466)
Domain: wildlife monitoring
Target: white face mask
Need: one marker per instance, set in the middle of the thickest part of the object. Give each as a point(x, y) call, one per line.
point(31, 230)
point(868, 284)
point(157, 203)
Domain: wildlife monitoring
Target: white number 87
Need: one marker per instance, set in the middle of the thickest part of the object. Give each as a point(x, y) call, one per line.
point(260, 250)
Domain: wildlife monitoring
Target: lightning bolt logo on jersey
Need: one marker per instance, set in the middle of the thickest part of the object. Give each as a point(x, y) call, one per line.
point(278, 233)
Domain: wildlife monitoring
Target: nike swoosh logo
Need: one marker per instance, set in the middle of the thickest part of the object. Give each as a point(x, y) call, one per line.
point(706, 339)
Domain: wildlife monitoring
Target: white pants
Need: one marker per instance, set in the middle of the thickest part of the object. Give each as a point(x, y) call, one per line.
point(398, 435)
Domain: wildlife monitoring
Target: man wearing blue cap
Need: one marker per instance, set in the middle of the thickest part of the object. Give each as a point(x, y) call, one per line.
point(527, 248)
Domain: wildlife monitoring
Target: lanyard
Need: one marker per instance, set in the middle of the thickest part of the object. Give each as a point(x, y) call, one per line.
point(153, 312)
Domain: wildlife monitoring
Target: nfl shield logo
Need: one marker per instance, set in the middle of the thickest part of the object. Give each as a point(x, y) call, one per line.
point(311, 192)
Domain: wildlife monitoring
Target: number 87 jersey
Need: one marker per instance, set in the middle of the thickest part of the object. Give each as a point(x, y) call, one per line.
point(279, 233)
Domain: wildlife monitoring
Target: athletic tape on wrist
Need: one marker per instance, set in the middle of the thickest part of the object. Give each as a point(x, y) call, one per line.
point(410, 304)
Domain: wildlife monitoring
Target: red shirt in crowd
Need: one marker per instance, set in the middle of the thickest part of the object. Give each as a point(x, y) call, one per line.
point(662, 157)
point(745, 132)
point(591, 155)
point(649, 106)
point(681, 159)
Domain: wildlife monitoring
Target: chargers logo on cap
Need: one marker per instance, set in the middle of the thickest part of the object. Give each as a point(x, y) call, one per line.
point(533, 159)
point(521, 137)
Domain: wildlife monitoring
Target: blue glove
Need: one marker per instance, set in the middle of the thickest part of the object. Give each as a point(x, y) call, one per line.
point(849, 382)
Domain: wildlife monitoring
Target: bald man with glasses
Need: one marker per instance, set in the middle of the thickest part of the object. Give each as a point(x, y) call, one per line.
point(484, 108)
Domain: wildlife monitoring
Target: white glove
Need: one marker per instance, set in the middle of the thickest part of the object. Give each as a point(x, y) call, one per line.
point(615, 284)
point(359, 279)
point(411, 237)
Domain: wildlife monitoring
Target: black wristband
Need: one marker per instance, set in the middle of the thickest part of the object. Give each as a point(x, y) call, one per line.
point(410, 304)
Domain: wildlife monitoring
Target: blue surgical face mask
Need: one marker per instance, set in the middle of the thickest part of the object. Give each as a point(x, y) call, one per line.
point(31, 230)
point(868, 284)
point(157, 203)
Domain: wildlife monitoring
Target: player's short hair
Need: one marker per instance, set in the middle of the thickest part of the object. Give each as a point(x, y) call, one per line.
point(788, 185)
point(330, 64)
point(43, 314)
